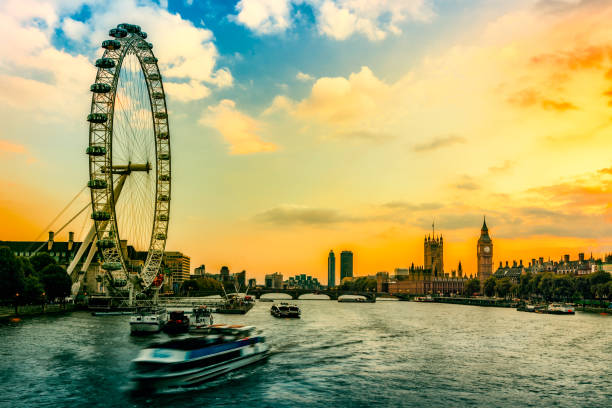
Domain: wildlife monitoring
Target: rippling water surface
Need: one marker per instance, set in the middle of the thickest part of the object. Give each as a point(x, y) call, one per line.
point(338, 354)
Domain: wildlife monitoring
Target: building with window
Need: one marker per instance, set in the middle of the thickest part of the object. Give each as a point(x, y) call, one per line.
point(346, 265)
point(331, 270)
point(274, 280)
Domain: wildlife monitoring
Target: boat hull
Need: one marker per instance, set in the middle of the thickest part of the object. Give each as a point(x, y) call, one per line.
point(145, 327)
point(197, 377)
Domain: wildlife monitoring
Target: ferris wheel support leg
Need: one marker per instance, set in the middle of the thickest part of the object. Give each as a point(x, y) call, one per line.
point(88, 239)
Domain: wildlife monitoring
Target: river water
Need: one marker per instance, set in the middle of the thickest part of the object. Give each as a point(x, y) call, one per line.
point(339, 354)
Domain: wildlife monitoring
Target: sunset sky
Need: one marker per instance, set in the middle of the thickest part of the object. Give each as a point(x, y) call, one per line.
point(308, 125)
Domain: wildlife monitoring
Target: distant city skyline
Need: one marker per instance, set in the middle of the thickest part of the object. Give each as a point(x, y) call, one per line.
point(296, 130)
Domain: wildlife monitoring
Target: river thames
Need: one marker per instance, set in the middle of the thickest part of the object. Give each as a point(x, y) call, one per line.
point(339, 354)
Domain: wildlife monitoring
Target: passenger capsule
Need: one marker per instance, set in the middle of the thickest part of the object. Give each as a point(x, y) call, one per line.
point(143, 35)
point(161, 115)
point(163, 197)
point(118, 32)
point(143, 46)
point(164, 156)
point(154, 77)
point(97, 117)
point(160, 236)
point(96, 184)
point(105, 63)
point(162, 135)
point(130, 28)
point(100, 216)
point(96, 150)
point(111, 266)
point(111, 44)
point(100, 88)
point(164, 177)
point(158, 95)
point(149, 60)
point(162, 217)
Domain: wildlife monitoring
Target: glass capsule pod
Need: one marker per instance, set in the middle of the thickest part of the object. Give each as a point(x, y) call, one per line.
point(161, 115)
point(97, 117)
point(160, 236)
point(162, 135)
point(143, 35)
point(163, 197)
point(96, 184)
point(130, 28)
point(149, 60)
point(164, 177)
point(154, 77)
point(162, 217)
point(96, 150)
point(100, 88)
point(157, 95)
point(105, 63)
point(118, 32)
point(164, 156)
point(100, 216)
point(111, 266)
point(143, 46)
point(111, 44)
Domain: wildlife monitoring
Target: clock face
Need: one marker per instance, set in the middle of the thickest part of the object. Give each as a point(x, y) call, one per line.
point(487, 249)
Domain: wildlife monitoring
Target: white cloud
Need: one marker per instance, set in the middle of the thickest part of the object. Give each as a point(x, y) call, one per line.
point(304, 77)
point(75, 30)
point(41, 77)
point(338, 19)
point(264, 16)
point(237, 128)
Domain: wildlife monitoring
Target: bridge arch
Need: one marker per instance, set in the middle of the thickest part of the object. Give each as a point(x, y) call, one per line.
point(314, 296)
point(276, 296)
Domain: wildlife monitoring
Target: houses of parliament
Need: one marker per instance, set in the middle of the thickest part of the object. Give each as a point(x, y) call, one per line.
point(431, 277)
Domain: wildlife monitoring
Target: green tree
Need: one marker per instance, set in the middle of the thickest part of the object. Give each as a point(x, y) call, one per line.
point(564, 287)
point(41, 260)
point(208, 284)
point(600, 277)
point(546, 286)
point(471, 286)
point(189, 286)
point(32, 289)
point(11, 276)
point(489, 286)
point(56, 282)
point(502, 287)
point(524, 286)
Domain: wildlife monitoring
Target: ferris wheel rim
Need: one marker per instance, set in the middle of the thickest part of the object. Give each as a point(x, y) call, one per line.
point(129, 40)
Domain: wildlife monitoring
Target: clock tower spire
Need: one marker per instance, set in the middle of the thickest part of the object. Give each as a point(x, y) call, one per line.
point(484, 252)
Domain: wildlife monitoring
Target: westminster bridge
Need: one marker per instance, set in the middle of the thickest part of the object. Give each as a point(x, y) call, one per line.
point(294, 293)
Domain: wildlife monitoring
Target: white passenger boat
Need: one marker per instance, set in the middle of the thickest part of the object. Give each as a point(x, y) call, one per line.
point(186, 363)
point(150, 320)
point(285, 310)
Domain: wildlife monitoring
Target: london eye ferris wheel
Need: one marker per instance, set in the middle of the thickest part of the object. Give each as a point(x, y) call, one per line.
point(129, 158)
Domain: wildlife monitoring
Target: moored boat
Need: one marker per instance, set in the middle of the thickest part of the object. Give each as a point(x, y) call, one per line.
point(560, 309)
point(285, 310)
point(201, 319)
point(177, 323)
point(186, 363)
point(148, 320)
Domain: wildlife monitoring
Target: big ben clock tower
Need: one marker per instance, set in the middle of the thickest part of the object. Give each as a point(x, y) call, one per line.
point(484, 251)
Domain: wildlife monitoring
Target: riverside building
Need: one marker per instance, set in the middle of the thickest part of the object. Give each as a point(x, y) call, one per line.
point(331, 270)
point(346, 265)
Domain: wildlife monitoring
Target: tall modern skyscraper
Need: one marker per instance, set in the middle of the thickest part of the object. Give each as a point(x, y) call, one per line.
point(331, 270)
point(346, 265)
